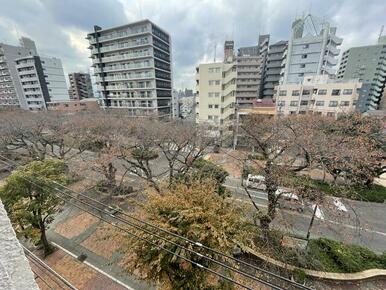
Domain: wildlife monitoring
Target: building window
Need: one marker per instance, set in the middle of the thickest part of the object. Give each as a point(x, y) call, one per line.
point(281, 103)
point(210, 117)
point(210, 95)
point(214, 82)
point(210, 106)
point(335, 92)
point(303, 103)
point(330, 114)
point(344, 103)
point(216, 106)
point(296, 93)
point(322, 92)
point(301, 74)
point(302, 65)
point(333, 104)
point(294, 103)
point(292, 112)
point(306, 46)
point(217, 95)
point(306, 92)
point(304, 56)
point(347, 92)
point(282, 93)
point(319, 103)
point(302, 112)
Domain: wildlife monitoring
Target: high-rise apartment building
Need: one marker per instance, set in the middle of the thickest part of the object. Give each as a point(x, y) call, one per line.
point(312, 49)
point(46, 72)
point(80, 86)
point(250, 65)
point(215, 96)
point(367, 63)
point(11, 92)
point(55, 79)
point(33, 82)
point(274, 67)
point(318, 95)
point(132, 64)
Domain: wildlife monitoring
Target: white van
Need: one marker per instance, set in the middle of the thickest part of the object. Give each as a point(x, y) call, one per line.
point(255, 181)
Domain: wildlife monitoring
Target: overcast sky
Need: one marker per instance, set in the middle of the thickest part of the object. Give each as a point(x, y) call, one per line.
point(59, 27)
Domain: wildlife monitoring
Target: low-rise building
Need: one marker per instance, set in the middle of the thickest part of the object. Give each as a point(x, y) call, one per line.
point(215, 96)
point(318, 95)
point(74, 105)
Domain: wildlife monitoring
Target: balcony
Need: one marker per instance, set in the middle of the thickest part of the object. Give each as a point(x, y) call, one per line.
point(123, 88)
point(122, 34)
point(120, 46)
point(121, 57)
point(127, 78)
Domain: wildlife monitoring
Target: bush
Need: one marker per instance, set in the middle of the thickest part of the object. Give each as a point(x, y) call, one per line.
point(333, 256)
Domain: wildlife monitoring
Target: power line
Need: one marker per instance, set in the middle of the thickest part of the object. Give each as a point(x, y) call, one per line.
point(197, 244)
point(33, 258)
point(41, 278)
point(148, 241)
point(293, 283)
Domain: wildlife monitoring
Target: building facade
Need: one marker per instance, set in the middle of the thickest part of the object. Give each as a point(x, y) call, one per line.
point(11, 92)
point(312, 49)
point(367, 63)
point(74, 105)
point(216, 96)
point(80, 86)
point(33, 82)
point(250, 66)
point(318, 95)
point(55, 79)
point(274, 68)
point(132, 64)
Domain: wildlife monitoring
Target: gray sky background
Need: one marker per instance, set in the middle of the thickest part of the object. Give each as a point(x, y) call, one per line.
point(59, 27)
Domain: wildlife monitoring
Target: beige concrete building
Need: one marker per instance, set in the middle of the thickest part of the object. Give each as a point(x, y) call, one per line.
point(318, 95)
point(74, 105)
point(215, 96)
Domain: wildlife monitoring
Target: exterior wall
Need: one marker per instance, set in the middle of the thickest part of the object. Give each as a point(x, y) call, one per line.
point(215, 95)
point(132, 68)
point(74, 106)
point(15, 271)
point(316, 95)
point(80, 86)
point(274, 67)
point(367, 63)
point(11, 93)
point(33, 83)
point(229, 53)
point(55, 79)
point(311, 52)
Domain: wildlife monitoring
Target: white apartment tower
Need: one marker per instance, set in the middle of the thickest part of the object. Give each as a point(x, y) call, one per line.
point(132, 65)
point(312, 49)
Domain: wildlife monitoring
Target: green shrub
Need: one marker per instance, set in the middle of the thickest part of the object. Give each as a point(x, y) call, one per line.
point(333, 256)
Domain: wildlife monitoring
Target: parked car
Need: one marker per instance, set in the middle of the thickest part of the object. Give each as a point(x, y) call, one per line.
point(289, 200)
point(255, 181)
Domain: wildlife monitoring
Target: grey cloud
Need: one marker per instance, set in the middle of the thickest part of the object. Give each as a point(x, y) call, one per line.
point(194, 25)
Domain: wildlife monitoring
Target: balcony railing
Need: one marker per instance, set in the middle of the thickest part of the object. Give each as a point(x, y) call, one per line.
point(120, 46)
point(121, 34)
point(122, 67)
point(122, 57)
point(125, 78)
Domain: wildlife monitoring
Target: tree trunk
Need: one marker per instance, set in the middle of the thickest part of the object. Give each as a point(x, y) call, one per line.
point(43, 238)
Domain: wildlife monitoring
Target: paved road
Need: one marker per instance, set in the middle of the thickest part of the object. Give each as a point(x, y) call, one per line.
point(364, 223)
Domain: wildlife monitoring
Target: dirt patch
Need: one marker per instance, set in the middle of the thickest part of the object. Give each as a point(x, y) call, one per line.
point(230, 161)
point(76, 225)
point(105, 241)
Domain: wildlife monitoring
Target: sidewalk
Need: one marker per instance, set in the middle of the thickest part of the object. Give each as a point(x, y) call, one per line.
point(81, 233)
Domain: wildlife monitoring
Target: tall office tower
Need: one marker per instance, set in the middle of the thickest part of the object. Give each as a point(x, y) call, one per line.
point(80, 86)
point(312, 49)
point(56, 81)
point(274, 67)
point(368, 64)
point(11, 92)
point(229, 53)
point(215, 97)
point(33, 82)
point(250, 65)
point(133, 67)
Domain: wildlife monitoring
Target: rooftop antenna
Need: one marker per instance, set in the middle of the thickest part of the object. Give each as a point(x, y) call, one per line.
point(215, 50)
point(381, 32)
